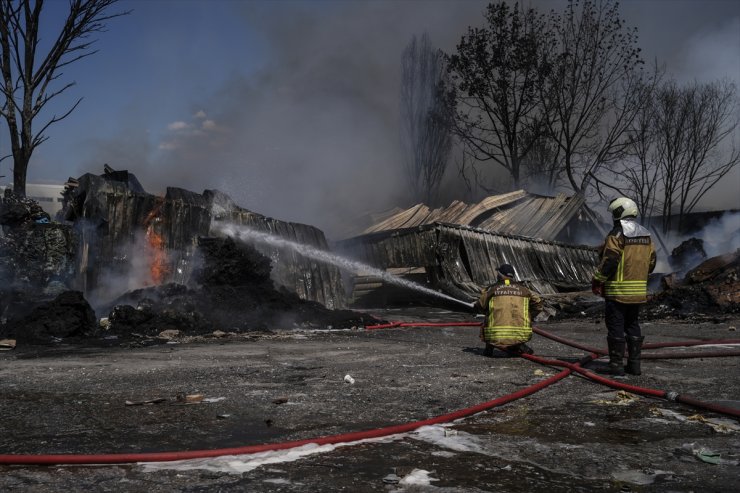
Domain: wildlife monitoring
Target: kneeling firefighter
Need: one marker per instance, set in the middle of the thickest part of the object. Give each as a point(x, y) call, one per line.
point(509, 307)
point(627, 257)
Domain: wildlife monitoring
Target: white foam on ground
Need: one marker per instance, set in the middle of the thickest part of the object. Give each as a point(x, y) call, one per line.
point(417, 477)
point(459, 442)
point(238, 464)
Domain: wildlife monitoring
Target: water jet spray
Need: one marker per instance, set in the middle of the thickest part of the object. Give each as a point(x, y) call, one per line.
point(247, 234)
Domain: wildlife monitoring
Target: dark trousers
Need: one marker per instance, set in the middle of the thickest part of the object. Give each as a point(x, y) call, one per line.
point(621, 319)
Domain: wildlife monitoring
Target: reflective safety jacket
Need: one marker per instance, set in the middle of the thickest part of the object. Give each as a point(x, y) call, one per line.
point(509, 308)
point(627, 258)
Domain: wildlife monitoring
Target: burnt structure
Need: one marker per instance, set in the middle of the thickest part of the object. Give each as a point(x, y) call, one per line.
point(457, 248)
point(561, 218)
point(461, 260)
point(130, 238)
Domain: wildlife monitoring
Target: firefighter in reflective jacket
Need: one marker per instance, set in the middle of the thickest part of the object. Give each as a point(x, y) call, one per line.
point(509, 308)
point(627, 257)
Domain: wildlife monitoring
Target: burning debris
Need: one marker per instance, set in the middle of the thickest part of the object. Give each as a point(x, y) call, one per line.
point(150, 265)
point(233, 293)
point(130, 239)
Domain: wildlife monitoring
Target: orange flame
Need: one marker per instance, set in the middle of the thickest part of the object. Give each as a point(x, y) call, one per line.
point(158, 265)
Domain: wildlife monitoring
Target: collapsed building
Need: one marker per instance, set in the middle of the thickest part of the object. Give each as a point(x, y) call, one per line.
point(126, 233)
point(457, 249)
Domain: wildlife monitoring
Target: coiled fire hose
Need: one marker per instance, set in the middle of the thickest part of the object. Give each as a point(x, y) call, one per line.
point(78, 459)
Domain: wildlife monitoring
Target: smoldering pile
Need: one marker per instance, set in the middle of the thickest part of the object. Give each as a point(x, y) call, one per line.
point(234, 293)
point(148, 264)
point(711, 288)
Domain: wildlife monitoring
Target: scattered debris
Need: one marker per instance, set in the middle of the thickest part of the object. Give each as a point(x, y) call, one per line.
point(214, 399)
point(7, 344)
point(169, 334)
point(348, 378)
point(720, 425)
point(707, 455)
point(621, 398)
point(189, 398)
point(149, 401)
point(280, 400)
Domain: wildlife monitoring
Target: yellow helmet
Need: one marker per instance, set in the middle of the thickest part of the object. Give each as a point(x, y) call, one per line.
point(622, 207)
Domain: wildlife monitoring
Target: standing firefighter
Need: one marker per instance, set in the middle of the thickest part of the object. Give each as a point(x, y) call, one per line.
point(628, 256)
point(509, 307)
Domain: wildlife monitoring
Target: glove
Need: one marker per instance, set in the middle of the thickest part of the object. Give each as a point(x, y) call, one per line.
point(597, 288)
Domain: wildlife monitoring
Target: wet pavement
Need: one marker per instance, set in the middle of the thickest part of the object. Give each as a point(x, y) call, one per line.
point(573, 436)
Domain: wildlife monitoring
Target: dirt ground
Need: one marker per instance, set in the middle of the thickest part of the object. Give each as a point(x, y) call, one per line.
point(273, 387)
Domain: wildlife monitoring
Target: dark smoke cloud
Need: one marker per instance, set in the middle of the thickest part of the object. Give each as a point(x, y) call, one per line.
point(313, 135)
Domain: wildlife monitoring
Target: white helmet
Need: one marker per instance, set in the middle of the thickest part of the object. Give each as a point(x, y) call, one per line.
point(622, 207)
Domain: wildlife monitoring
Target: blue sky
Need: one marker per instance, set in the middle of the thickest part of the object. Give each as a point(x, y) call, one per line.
point(289, 105)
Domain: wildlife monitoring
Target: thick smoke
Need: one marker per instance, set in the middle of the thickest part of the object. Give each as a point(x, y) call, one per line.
point(313, 135)
point(719, 236)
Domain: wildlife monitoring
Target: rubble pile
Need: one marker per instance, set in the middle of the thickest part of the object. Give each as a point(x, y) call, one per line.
point(66, 316)
point(687, 254)
point(37, 264)
point(234, 293)
point(711, 287)
point(114, 237)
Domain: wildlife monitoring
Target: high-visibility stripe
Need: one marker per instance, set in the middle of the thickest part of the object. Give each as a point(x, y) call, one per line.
point(600, 277)
point(512, 327)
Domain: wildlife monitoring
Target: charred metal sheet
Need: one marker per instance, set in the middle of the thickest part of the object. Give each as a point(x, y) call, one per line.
point(518, 213)
point(462, 260)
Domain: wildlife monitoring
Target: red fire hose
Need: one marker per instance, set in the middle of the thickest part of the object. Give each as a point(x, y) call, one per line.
point(653, 345)
point(671, 396)
point(396, 429)
point(253, 449)
point(668, 395)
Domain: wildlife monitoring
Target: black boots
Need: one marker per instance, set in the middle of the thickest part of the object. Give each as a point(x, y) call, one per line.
point(616, 353)
point(634, 348)
point(488, 351)
point(524, 349)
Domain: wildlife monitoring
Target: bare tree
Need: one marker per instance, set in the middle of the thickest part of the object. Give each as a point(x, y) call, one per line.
point(679, 146)
point(641, 173)
point(495, 73)
point(425, 119)
point(695, 146)
point(30, 79)
point(592, 89)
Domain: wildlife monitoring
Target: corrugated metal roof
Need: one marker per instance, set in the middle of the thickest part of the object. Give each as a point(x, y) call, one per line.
point(462, 260)
point(517, 213)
